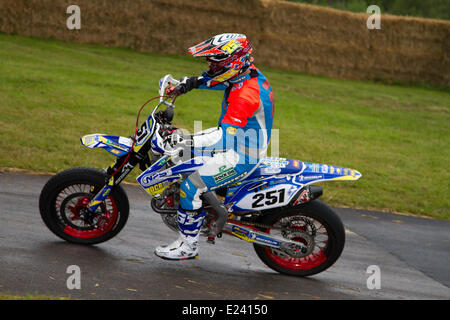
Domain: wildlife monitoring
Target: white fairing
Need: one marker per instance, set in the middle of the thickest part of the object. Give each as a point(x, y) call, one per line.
point(276, 196)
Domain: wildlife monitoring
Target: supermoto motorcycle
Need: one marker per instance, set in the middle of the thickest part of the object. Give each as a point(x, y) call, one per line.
point(275, 208)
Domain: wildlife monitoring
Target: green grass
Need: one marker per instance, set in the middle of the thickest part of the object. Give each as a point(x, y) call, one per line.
point(397, 136)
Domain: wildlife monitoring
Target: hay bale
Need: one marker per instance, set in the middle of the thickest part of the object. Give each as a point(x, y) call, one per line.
point(291, 36)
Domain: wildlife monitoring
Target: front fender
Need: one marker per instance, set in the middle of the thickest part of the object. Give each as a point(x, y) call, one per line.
point(116, 145)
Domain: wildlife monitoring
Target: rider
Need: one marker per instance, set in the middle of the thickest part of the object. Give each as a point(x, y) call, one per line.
point(235, 146)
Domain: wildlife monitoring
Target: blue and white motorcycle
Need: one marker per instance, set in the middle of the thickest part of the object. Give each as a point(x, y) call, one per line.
point(275, 208)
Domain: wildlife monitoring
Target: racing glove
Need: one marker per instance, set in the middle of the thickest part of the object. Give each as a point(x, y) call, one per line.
point(187, 84)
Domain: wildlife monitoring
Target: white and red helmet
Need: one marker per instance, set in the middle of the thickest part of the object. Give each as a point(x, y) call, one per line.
point(228, 55)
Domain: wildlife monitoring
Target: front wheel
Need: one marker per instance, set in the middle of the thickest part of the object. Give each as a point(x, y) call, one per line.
point(316, 226)
point(63, 203)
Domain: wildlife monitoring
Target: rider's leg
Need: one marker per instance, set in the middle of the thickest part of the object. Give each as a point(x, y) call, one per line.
point(190, 220)
point(219, 170)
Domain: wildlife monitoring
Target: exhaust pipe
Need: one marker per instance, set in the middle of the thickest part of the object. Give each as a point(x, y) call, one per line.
point(220, 210)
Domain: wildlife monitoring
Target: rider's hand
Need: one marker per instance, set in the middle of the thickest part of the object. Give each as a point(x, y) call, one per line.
point(166, 131)
point(186, 84)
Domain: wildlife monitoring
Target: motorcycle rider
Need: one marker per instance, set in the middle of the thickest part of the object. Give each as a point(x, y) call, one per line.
point(235, 146)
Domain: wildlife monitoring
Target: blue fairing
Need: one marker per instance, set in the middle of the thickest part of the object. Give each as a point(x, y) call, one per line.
point(279, 180)
point(274, 183)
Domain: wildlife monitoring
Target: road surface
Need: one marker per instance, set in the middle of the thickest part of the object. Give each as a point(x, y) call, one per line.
point(411, 253)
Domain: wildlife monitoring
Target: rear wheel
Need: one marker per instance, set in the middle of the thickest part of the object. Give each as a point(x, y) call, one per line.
point(314, 225)
point(63, 203)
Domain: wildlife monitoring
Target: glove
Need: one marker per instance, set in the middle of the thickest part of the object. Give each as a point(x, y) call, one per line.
point(187, 84)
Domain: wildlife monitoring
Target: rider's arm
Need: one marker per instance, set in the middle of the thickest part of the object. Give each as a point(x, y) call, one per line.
point(188, 83)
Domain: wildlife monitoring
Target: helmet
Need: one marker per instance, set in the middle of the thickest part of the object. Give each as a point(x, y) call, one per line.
point(228, 55)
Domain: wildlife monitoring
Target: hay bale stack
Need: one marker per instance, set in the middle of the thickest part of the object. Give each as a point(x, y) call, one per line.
point(285, 35)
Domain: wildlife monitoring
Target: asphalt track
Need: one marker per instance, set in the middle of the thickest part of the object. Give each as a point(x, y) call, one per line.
point(412, 254)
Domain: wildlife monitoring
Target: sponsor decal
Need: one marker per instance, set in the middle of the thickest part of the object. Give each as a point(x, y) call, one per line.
point(163, 161)
point(304, 178)
point(126, 169)
point(303, 197)
point(270, 170)
point(182, 194)
point(230, 46)
point(240, 232)
point(232, 130)
point(331, 169)
point(252, 236)
point(125, 141)
point(106, 193)
point(267, 240)
point(114, 151)
point(324, 168)
point(229, 182)
point(295, 163)
point(224, 38)
point(157, 188)
point(224, 174)
point(88, 140)
point(275, 162)
point(112, 143)
point(148, 179)
point(273, 182)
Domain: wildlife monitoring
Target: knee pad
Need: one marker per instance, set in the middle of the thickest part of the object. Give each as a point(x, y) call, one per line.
point(190, 195)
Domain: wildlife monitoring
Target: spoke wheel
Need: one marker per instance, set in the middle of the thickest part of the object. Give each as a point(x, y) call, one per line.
point(63, 205)
point(317, 229)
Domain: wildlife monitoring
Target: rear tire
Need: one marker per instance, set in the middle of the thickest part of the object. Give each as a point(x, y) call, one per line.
point(321, 257)
point(67, 193)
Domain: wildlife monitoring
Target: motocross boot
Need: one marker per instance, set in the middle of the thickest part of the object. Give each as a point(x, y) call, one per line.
point(186, 246)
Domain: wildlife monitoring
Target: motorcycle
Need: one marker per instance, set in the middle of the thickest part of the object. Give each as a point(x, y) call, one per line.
point(275, 208)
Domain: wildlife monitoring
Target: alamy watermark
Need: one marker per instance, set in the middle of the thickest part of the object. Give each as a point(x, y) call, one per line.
point(73, 22)
point(374, 20)
point(74, 280)
point(374, 280)
point(249, 141)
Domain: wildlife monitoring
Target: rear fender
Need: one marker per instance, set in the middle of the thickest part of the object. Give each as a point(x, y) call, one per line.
point(285, 189)
point(315, 172)
point(116, 145)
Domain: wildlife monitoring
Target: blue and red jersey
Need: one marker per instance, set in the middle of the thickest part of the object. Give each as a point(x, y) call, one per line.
point(247, 114)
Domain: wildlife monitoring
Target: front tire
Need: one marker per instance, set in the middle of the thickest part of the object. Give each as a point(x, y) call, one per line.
point(315, 225)
point(64, 197)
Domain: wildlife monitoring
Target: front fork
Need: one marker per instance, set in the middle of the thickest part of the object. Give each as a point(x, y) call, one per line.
point(114, 178)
